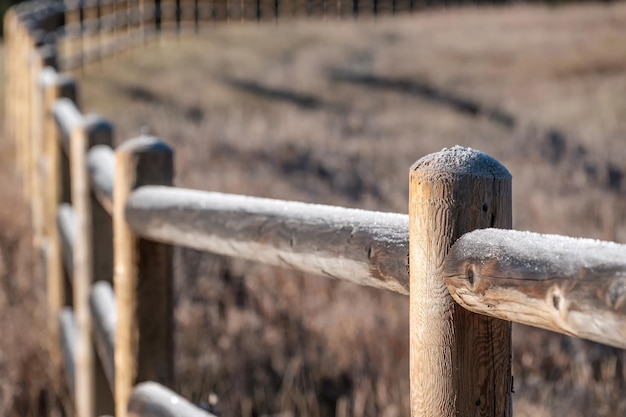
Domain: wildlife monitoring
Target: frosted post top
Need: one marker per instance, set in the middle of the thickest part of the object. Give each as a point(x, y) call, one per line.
point(461, 160)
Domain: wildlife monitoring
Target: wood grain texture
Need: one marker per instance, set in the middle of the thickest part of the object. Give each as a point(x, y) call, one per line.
point(103, 310)
point(143, 276)
point(460, 362)
point(150, 399)
point(571, 286)
point(368, 248)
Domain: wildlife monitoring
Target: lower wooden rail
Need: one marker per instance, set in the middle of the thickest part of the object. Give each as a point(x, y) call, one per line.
point(103, 311)
point(101, 166)
point(67, 231)
point(69, 336)
point(150, 399)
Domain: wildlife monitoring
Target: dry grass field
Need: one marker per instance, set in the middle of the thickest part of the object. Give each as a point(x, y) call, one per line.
point(335, 113)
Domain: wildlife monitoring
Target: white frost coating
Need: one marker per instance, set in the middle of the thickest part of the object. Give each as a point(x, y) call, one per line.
point(333, 241)
point(67, 231)
point(392, 227)
point(104, 312)
point(152, 399)
point(101, 166)
point(461, 160)
point(68, 117)
point(49, 77)
point(536, 252)
point(103, 305)
point(69, 336)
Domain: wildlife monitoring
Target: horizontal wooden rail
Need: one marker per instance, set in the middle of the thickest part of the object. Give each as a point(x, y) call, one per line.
point(67, 231)
point(101, 166)
point(568, 285)
point(103, 310)
point(68, 118)
point(150, 399)
point(69, 335)
point(365, 247)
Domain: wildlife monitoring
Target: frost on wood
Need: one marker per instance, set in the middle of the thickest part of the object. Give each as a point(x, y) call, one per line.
point(68, 117)
point(101, 167)
point(154, 400)
point(461, 160)
point(368, 248)
point(104, 312)
point(573, 286)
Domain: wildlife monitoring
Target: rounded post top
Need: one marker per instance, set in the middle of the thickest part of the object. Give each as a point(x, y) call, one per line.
point(460, 160)
point(95, 122)
point(144, 144)
point(99, 130)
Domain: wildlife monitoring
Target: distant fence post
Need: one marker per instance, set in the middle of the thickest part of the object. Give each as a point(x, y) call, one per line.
point(10, 60)
point(40, 58)
point(143, 276)
point(55, 86)
point(89, 388)
point(460, 362)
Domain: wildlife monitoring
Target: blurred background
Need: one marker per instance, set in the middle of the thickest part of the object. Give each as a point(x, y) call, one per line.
point(334, 111)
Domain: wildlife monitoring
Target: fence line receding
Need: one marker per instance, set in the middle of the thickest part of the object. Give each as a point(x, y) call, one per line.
point(104, 222)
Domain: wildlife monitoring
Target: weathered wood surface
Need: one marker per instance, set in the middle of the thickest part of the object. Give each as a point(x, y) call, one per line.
point(55, 85)
point(68, 118)
point(103, 310)
point(460, 362)
point(368, 248)
point(143, 276)
point(101, 166)
point(92, 130)
point(66, 225)
point(82, 277)
point(68, 336)
point(568, 285)
point(150, 399)
point(40, 58)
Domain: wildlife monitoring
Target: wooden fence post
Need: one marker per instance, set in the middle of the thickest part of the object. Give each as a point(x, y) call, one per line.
point(40, 58)
point(460, 362)
point(24, 143)
point(9, 20)
point(55, 86)
point(94, 131)
point(142, 277)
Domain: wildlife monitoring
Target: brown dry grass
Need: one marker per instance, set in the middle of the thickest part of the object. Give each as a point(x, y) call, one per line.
point(29, 386)
point(26, 387)
point(336, 113)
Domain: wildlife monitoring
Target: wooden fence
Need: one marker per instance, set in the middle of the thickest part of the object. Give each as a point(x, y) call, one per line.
point(106, 220)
